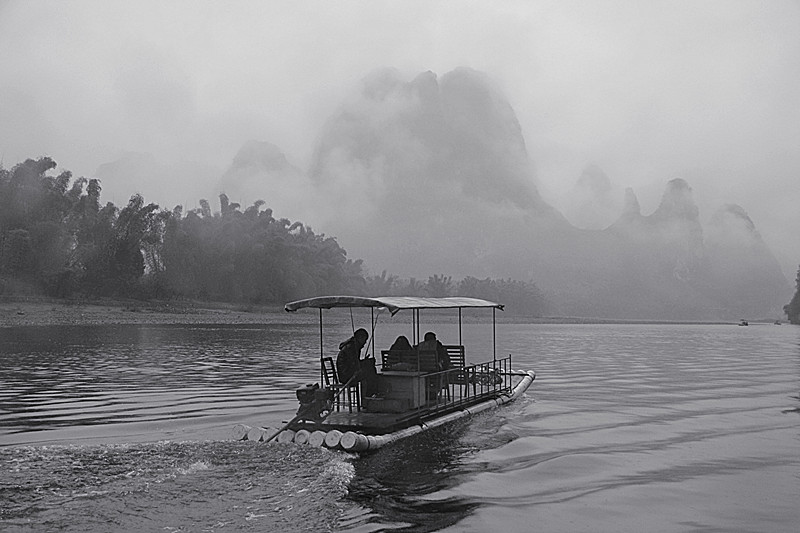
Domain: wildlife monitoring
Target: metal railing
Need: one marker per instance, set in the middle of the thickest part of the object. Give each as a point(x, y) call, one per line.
point(457, 386)
point(449, 388)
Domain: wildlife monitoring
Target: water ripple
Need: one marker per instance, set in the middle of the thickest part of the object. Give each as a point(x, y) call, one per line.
point(626, 428)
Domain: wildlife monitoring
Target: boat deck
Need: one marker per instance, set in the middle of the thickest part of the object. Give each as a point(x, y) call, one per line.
point(377, 423)
point(372, 423)
point(407, 398)
point(364, 421)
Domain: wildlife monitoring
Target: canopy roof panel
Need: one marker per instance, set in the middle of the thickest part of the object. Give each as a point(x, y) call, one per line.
point(392, 303)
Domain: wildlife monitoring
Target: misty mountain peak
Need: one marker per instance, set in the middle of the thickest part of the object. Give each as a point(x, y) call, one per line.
point(261, 171)
point(631, 206)
point(128, 162)
point(741, 266)
point(386, 86)
point(732, 214)
point(590, 204)
point(631, 218)
point(731, 225)
point(475, 106)
point(677, 202)
point(144, 173)
point(380, 83)
point(395, 139)
point(259, 155)
point(426, 85)
point(594, 180)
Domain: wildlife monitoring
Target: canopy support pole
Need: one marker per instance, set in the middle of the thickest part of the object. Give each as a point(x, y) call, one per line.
point(415, 326)
point(321, 351)
point(459, 327)
point(494, 337)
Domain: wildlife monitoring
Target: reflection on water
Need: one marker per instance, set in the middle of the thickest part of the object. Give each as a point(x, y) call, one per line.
point(73, 376)
point(626, 428)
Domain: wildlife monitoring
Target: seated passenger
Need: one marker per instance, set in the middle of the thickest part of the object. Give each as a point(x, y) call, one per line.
point(401, 344)
point(350, 366)
point(431, 343)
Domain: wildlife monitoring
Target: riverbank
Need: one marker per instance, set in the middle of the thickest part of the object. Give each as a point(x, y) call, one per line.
point(44, 312)
point(54, 312)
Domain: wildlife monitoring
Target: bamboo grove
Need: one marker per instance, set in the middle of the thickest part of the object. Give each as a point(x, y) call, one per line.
point(57, 239)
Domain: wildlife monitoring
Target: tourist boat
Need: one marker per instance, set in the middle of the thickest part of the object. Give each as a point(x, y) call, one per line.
point(413, 394)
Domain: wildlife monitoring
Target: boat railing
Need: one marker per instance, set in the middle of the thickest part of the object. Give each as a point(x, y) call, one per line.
point(467, 384)
point(443, 390)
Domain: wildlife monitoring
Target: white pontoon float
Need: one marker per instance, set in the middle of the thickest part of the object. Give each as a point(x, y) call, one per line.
point(413, 393)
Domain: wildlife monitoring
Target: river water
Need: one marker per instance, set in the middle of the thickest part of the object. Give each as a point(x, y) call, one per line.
point(634, 428)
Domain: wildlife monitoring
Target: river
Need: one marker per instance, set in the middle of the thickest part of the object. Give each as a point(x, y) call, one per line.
point(627, 427)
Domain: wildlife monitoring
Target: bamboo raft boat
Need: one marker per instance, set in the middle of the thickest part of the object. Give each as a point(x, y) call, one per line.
point(416, 391)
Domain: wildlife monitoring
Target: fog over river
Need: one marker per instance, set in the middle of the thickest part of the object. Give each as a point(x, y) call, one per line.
point(346, 115)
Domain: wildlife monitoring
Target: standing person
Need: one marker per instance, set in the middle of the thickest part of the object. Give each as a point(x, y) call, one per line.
point(350, 365)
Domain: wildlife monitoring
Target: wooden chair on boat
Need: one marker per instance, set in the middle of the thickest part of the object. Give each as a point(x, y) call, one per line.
point(428, 363)
point(459, 373)
point(332, 382)
point(399, 360)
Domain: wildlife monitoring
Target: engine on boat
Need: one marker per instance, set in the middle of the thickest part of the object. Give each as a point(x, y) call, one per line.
point(313, 402)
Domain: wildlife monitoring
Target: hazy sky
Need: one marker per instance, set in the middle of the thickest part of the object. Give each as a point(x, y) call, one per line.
point(704, 90)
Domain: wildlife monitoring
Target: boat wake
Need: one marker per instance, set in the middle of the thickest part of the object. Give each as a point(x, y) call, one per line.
point(167, 486)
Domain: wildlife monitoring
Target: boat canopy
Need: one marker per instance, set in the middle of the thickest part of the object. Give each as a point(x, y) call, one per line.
point(392, 303)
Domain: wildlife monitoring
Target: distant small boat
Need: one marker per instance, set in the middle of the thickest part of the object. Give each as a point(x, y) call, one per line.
point(777, 322)
point(743, 322)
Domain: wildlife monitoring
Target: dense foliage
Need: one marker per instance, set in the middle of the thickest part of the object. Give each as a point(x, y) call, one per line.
point(792, 309)
point(250, 256)
point(56, 239)
point(520, 298)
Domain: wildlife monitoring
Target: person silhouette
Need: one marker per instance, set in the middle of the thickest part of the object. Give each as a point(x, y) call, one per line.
point(350, 366)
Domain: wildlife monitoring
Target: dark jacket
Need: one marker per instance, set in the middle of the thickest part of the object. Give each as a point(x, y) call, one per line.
point(442, 359)
point(347, 362)
point(401, 343)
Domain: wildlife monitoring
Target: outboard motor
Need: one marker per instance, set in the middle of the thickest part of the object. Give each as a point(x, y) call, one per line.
point(313, 402)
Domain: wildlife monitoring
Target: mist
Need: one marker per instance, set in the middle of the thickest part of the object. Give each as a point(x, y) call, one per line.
point(704, 91)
